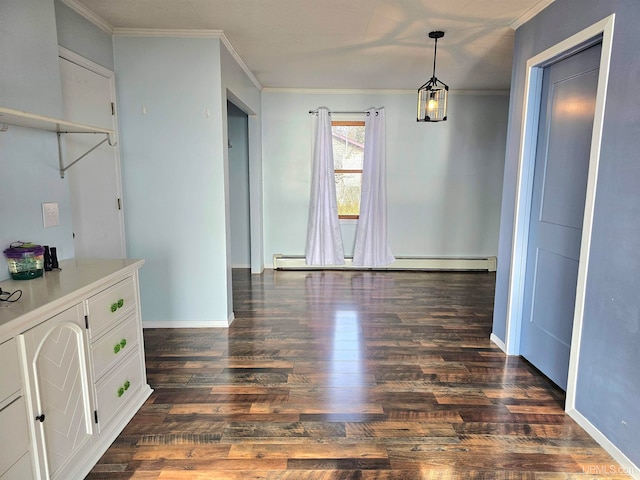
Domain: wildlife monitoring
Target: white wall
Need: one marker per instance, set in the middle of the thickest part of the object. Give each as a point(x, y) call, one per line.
point(30, 80)
point(245, 94)
point(29, 71)
point(171, 145)
point(241, 90)
point(77, 34)
point(31, 176)
point(172, 95)
point(444, 180)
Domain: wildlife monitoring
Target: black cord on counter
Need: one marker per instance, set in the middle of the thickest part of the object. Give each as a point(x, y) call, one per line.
point(10, 298)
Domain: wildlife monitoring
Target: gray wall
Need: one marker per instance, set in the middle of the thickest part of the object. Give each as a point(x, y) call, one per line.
point(608, 385)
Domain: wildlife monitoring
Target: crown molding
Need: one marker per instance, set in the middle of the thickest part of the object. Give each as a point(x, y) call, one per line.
point(339, 91)
point(529, 14)
point(380, 91)
point(167, 32)
point(154, 32)
point(98, 21)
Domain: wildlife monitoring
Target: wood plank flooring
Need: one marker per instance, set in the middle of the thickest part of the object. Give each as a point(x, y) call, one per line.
point(350, 375)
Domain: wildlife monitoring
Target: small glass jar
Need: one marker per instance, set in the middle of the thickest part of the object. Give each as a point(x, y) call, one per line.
point(25, 260)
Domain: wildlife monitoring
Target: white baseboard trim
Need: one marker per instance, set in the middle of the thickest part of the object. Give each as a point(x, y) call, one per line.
point(498, 342)
point(240, 265)
point(295, 262)
point(625, 466)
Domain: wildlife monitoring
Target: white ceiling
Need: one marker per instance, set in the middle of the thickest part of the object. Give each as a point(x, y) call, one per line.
point(344, 44)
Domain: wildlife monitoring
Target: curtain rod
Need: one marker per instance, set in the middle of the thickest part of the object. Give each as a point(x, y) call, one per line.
point(351, 113)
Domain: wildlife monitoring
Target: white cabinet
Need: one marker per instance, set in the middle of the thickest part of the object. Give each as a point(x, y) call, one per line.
point(76, 373)
point(59, 386)
point(117, 357)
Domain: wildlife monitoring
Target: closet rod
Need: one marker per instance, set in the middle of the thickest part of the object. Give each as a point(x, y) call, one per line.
point(349, 113)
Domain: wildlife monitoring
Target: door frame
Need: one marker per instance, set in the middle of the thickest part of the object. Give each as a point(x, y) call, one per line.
point(81, 61)
point(255, 182)
point(601, 31)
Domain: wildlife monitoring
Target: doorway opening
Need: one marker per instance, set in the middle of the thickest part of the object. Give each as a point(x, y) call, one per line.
point(95, 184)
point(239, 186)
point(599, 32)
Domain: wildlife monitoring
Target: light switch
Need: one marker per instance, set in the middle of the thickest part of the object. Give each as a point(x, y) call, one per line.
point(50, 215)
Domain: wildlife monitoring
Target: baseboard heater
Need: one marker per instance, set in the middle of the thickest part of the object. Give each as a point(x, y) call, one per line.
point(294, 262)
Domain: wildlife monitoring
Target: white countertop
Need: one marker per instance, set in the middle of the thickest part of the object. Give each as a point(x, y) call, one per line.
point(44, 296)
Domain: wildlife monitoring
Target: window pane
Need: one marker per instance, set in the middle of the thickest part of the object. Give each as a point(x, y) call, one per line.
point(348, 154)
point(348, 146)
point(348, 193)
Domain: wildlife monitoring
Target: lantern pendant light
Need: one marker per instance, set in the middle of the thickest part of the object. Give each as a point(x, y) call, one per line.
point(433, 95)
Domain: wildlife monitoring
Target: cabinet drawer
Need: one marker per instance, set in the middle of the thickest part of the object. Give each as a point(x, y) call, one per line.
point(111, 304)
point(116, 390)
point(14, 441)
point(114, 346)
point(10, 378)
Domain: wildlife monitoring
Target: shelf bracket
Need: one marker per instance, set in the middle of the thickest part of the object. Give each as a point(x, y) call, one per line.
point(64, 168)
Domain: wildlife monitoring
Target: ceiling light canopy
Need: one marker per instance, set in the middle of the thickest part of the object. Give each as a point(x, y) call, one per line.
point(433, 95)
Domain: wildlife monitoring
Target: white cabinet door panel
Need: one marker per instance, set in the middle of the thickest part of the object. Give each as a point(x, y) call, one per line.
point(21, 470)
point(14, 441)
point(10, 378)
point(55, 351)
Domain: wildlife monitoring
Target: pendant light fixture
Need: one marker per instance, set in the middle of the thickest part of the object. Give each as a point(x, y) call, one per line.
point(433, 95)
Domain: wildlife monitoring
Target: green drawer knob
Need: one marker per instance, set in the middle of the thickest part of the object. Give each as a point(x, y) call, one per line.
point(116, 348)
point(114, 307)
point(120, 303)
point(123, 342)
point(120, 391)
point(127, 384)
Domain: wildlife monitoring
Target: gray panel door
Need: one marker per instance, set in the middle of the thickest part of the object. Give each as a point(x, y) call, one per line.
point(557, 211)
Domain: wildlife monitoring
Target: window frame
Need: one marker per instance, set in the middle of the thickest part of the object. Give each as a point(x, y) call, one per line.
point(348, 123)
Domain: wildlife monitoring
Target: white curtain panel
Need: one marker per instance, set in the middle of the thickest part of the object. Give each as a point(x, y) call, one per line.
point(324, 239)
point(372, 249)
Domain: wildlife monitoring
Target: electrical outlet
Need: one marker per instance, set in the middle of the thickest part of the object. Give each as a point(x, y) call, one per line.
point(50, 215)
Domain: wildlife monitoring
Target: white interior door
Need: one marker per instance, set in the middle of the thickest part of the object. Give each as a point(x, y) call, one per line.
point(94, 182)
point(557, 211)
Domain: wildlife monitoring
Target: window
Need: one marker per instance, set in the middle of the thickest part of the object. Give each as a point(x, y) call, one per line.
point(348, 155)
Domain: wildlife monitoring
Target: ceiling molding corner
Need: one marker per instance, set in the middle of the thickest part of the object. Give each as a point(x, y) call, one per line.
point(83, 11)
point(225, 41)
point(186, 33)
point(529, 14)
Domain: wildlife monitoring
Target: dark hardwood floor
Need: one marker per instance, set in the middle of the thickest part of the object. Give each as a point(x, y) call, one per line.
point(350, 375)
